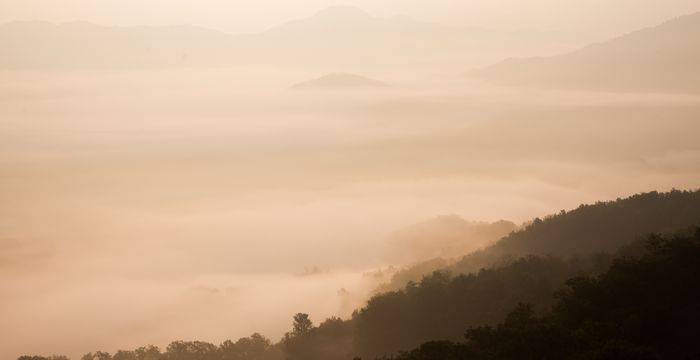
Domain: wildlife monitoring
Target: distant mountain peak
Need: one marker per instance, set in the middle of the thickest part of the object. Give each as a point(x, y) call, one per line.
point(342, 12)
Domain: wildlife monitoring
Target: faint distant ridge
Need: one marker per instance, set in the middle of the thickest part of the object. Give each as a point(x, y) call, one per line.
point(337, 12)
point(340, 80)
point(336, 37)
point(340, 21)
point(665, 58)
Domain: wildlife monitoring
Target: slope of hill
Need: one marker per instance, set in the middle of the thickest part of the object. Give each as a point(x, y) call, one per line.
point(589, 229)
point(665, 58)
point(445, 236)
point(525, 266)
point(600, 227)
point(340, 81)
point(642, 308)
point(434, 244)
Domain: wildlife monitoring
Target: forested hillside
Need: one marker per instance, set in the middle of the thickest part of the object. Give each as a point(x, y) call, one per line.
point(600, 227)
point(644, 308)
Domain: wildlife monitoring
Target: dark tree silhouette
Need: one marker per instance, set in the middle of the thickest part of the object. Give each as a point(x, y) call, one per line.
point(97, 355)
point(302, 324)
point(642, 308)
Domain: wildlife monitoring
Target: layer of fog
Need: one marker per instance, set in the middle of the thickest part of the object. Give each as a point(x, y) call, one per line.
point(144, 207)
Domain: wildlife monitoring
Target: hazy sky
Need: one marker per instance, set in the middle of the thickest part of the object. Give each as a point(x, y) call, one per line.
point(609, 16)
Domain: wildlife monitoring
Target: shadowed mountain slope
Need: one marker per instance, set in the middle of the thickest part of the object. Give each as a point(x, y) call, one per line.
point(589, 229)
point(601, 227)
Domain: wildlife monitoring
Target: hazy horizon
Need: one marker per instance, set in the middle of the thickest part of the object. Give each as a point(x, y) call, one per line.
point(613, 18)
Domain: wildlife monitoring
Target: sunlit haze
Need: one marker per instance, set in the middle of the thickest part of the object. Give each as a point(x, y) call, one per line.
point(204, 170)
point(596, 17)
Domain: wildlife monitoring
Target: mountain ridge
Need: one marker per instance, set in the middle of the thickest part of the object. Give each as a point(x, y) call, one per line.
point(656, 58)
point(333, 37)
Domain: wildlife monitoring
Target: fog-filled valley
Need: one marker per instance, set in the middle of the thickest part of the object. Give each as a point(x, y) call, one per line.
point(398, 177)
